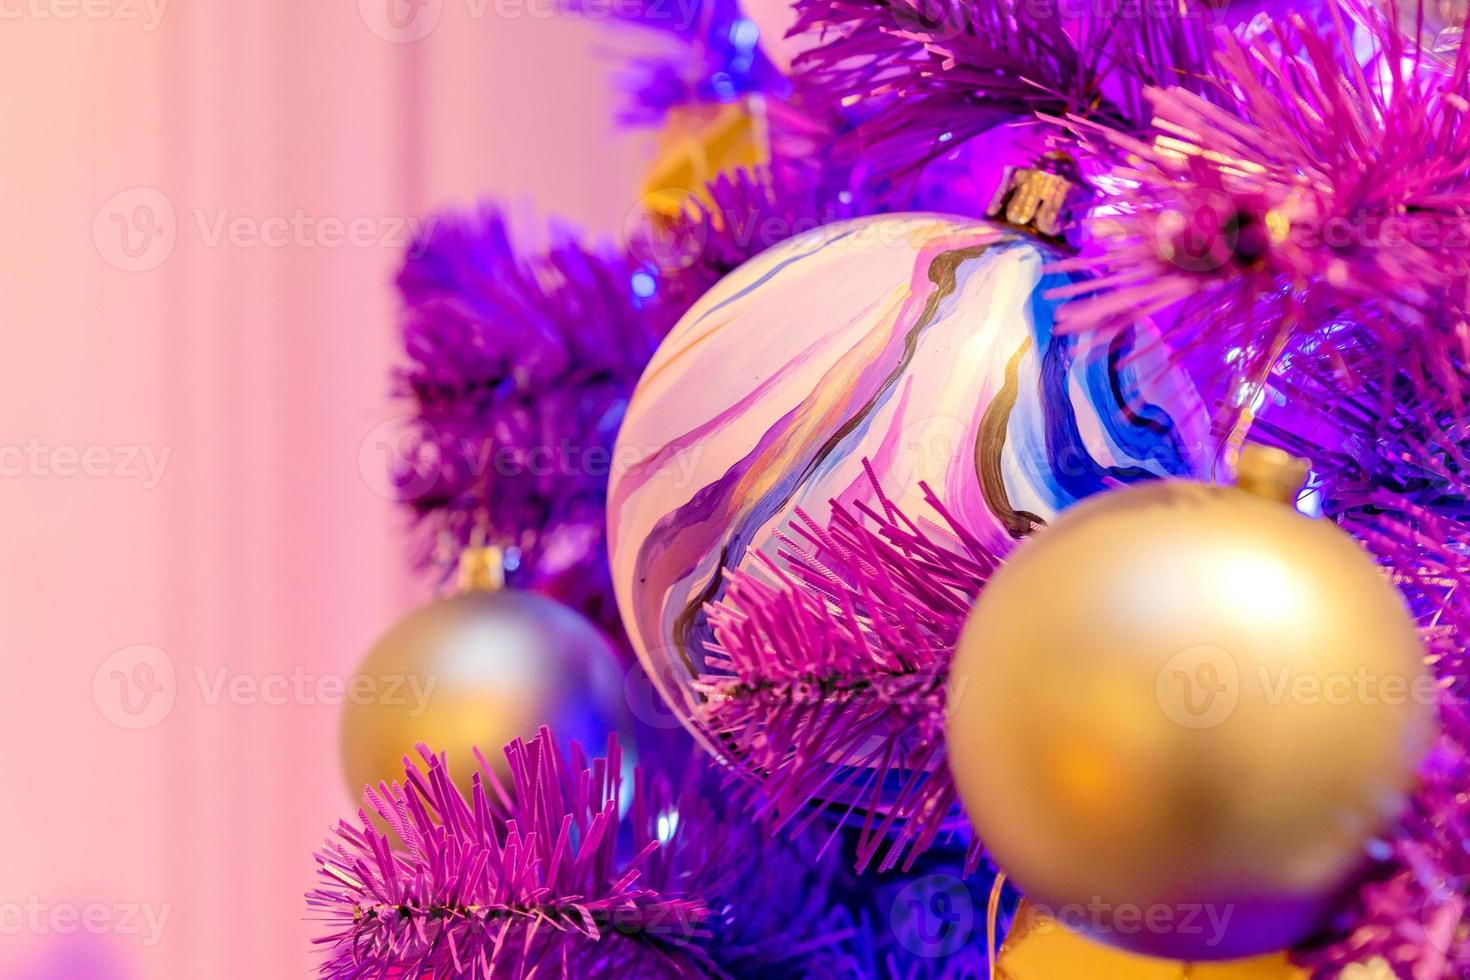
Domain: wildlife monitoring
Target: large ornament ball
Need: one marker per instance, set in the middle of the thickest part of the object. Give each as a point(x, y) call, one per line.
point(1181, 714)
point(923, 344)
point(479, 670)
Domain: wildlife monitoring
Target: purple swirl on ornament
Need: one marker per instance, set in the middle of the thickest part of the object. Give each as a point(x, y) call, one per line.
point(921, 343)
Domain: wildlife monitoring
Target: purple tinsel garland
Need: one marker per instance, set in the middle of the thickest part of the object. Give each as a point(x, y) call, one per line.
point(520, 371)
point(1311, 194)
point(719, 57)
point(829, 673)
point(917, 78)
point(1397, 477)
point(552, 876)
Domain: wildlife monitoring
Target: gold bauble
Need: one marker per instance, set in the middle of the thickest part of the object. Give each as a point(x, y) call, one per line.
point(699, 143)
point(1039, 948)
point(1189, 707)
point(479, 670)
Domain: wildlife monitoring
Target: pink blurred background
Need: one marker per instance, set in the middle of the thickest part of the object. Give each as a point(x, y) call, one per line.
point(191, 397)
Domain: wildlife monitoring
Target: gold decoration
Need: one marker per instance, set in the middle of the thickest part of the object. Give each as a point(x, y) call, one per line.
point(698, 144)
point(1377, 968)
point(1191, 702)
point(478, 670)
point(481, 569)
point(1038, 948)
point(1033, 199)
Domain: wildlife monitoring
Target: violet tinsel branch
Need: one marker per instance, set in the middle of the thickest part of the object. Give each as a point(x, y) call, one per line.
point(550, 876)
point(1309, 195)
point(520, 369)
point(919, 77)
point(1393, 469)
point(716, 56)
point(746, 213)
point(829, 670)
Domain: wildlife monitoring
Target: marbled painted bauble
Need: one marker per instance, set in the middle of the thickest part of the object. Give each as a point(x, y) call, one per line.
point(478, 670)
point(921, 343)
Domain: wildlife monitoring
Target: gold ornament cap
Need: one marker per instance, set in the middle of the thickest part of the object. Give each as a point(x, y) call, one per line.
point(1034, 199)
point(699, 143)
point(1271, 473)
point(481, 569)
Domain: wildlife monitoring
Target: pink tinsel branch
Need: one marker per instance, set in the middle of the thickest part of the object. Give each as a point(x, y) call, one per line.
point(920, 77)
point(830, 670)
point(1309, 195)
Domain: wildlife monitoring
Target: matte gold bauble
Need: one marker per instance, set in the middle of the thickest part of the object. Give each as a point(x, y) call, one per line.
point(478, 670)
point(1190, 707)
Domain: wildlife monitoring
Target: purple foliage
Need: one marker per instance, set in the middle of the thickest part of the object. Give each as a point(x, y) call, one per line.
point(918, 77)
point(829, 674)
point(1397, 477)
point(718, 56)
point(1309, 195)
point(747, 214)
point(550, 876)
point(520, 370)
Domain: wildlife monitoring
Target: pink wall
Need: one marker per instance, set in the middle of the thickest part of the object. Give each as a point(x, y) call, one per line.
point(183, 422)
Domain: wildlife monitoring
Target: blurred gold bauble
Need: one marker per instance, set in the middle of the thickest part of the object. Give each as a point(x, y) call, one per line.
point(1192, 705)
point(480, 669)
point(699, 143)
